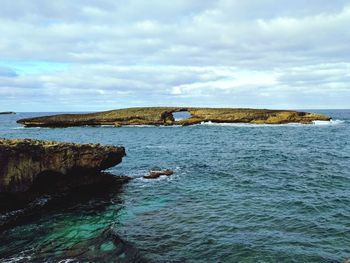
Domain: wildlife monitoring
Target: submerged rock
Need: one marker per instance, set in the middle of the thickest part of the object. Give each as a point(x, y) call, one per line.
point(158, 173)
point(164, 116)
point(30, 168)
point(107, 247)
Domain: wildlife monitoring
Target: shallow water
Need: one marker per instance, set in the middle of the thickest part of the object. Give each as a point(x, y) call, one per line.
point(240, 193)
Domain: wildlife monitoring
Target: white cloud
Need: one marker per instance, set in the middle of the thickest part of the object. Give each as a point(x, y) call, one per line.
point(225, 52)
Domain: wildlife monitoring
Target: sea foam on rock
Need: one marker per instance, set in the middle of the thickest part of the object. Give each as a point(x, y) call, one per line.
point(153, 174)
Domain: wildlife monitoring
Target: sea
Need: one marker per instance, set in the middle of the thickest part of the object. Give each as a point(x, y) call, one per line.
point(239, 193)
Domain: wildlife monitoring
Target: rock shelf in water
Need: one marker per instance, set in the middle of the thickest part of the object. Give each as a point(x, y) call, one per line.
point(29, 168)
point(164, 116)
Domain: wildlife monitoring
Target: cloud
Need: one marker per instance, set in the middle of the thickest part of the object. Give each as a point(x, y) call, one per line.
point(95, 55)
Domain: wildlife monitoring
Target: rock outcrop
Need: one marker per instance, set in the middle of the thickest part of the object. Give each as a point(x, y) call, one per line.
point(164, 116)
point(29, 168)
point(158, 173)
point(107, 247)
point(7, 112)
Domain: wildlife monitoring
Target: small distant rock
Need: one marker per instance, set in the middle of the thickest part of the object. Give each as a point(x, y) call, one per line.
point(157, 173)
point(7, 112)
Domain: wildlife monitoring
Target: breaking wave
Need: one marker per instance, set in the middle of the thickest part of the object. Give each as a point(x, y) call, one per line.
point(317, 123)
point(331, 122)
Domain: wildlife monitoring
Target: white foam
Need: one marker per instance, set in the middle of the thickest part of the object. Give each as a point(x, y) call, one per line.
point(331, 122)
point(150, 126)
point(67, 260)
point(21, 257)
point(16, 259)
point(28, 128)
point(31, 128)
point(160, 178)
point(209, 123)
point(136, 126)
point(139, 176)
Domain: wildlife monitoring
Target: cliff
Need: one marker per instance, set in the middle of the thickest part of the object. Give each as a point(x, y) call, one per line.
point(164, 116)
point(23, 160)
point(29, 168)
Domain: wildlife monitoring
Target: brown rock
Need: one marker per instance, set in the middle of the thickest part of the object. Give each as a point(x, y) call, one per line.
point(156, 174)
point(23, 160)
point(164, 116)
point(33, 168)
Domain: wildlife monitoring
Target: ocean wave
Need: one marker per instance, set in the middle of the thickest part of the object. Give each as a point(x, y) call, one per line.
point(209, 123)
point(68, 260)
point(160, 178)
point(139, 175)
point(331, 122)
point(30, 128)
point(19, 258)
point(317, 123)
point(150, 126)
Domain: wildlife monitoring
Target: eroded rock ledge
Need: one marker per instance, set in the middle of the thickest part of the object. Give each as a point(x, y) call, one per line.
point(164, 116)
point(29, 168)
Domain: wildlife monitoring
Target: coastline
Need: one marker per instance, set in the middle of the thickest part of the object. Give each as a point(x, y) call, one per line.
point(274, 157)
point(41, 177)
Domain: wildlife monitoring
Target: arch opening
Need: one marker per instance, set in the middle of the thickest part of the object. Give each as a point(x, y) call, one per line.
point(181, 115)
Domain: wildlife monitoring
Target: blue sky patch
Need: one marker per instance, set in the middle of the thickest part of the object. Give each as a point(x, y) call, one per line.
point(31, 67)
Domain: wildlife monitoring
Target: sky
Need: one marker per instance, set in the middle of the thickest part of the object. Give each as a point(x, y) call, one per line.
point(87, 55)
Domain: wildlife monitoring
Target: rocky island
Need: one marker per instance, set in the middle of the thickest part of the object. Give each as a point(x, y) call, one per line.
point(30, 168)
point(7, 112)
point(164, 116)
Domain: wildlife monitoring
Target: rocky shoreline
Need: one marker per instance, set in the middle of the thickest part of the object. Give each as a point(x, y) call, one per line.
point(164, 116)
point(32, 168)
point(43, 177)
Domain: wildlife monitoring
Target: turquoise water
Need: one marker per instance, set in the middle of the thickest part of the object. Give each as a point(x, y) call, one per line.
point(240, 193)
